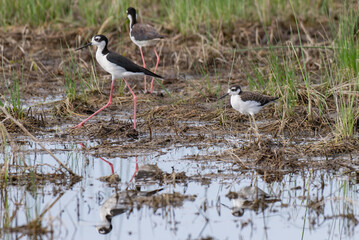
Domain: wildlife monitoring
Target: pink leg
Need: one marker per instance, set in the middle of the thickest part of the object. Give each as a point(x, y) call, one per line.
point(108, 104)
point(134, 102)
point(144, 65)
point(158, 61)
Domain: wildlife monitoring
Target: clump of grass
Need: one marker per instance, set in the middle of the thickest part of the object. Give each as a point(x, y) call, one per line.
point(346, 50)
point(347, 113)
point(92, 84)
point(279, 79)
point(286, 75)
point(345, 84)
point(15, 98)
point(14, 103)
point(72, 74)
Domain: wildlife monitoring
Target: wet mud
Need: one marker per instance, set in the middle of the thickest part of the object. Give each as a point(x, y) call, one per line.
point(132, 172)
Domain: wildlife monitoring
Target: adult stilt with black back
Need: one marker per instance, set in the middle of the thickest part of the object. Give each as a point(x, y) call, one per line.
point(143, 35)
point(119, 67)
point(247, 102)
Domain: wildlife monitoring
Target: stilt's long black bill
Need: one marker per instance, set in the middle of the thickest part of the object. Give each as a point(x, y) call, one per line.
point(223, 96)
point(89, 44)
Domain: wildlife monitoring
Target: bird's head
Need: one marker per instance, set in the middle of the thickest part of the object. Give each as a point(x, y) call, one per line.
point(234, 90)
point(131, 14)
point(98, 40)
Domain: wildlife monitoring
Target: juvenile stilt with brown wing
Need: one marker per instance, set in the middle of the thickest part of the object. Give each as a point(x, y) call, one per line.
point(247, 102)
point(143, 35)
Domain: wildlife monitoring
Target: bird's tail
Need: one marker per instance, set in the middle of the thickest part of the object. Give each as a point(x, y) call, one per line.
point(149, 73)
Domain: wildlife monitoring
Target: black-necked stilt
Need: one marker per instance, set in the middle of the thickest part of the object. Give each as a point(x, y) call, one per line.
point(143, 35)
point(117, 204)
point(251, 198)
point(118, 66)
point(120, 203)
point(247, 102)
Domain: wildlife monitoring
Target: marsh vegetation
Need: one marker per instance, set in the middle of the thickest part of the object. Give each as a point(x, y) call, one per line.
point(182, 174)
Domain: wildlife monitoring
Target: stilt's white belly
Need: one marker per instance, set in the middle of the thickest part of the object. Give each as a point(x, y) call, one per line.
point(247, 107)
point(115, 70)
point(144, 43)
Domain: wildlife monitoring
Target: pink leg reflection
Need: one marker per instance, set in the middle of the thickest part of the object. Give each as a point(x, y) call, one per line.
point(111, 165)
point(134, 174)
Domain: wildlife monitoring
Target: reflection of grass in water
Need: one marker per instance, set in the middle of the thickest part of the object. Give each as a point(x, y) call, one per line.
point(32, 177)
point(23, 209)
point(5, 152)
point(5, 209)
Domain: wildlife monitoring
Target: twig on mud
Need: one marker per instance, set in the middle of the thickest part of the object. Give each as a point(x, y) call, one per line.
point(35, 140)
point(239, 160)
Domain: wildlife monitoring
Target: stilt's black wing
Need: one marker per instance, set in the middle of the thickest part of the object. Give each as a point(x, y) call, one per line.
point(129, 65)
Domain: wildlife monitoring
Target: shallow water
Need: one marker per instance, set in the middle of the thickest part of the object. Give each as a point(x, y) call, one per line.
point(312, 204)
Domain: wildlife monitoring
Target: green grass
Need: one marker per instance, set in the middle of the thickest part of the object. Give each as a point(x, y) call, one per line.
point(347, 48)
point(286, 75)
point(283, 73)
point(189, 16)
point(345, 84)
point(45, 12)
point(185, 16)
point(16, 102)
point(78, 81)
point(13, 89)
point(91, 83)
point(72, 75)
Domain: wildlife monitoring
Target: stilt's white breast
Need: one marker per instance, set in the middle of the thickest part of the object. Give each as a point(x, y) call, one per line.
point(245, 107)
point(115, 70)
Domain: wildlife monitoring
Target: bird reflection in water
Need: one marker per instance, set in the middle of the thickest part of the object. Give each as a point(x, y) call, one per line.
point(124, 201)
point(252, 198)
